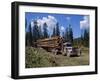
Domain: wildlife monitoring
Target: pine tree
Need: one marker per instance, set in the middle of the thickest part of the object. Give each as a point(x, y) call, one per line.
point(30, 35)
point(45, 31)
point(69, 34)
point(82, 39)
point(36, 34)
point(57, 30)
point(54, 32)
point(25, 23)
point(86, 38)
point(26, 32)
point(26, 38)
point(66, 35)
point(40, 33)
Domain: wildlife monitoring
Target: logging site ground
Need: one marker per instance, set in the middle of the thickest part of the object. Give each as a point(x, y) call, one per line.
point(38, 57)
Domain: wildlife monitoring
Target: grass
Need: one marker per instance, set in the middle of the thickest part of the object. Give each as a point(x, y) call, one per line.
point(38, 57)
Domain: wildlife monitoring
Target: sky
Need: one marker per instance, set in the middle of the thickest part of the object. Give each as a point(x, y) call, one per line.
point(77, 22)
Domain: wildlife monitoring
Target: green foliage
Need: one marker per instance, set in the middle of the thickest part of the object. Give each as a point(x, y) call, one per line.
point(45, 31)
point(85, 38)
point(36, 34)
point(54, 32)
point(57, 30)
point(68, 34)
point(27, 39)
point(40, 32)
point(37, 57)
point(77, 42)
point(29, 36)
point(25, 23)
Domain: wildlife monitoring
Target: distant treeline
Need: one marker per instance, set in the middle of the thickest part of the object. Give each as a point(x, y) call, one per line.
point(34, 33)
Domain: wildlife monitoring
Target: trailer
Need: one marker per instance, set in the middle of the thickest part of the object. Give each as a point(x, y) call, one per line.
point(56, 45)
point(50, 44)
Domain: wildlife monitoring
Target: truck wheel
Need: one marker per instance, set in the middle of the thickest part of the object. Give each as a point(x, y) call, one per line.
point(64, 54)
point(56, 51)
point(79, 53)
point(68, 54)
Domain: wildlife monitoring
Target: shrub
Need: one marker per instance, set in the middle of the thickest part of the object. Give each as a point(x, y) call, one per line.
point(38, 57)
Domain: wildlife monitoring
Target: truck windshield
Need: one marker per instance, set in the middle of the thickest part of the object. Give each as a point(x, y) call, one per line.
point(69, 45)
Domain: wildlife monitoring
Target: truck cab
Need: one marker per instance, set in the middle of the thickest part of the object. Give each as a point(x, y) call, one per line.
point(69, 50)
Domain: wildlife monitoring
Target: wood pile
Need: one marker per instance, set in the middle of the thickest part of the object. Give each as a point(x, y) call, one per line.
point(50, 43)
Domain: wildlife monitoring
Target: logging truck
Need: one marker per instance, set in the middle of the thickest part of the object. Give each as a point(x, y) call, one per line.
point(57, 46)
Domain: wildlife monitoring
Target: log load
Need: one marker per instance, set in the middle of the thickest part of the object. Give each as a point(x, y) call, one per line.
point(50, 43)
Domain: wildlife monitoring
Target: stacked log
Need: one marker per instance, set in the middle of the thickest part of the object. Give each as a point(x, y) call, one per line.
point(50, 43)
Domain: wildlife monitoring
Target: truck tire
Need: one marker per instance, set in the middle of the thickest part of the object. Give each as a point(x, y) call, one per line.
point(68, 54)
point(79, 53)
point(65, 52)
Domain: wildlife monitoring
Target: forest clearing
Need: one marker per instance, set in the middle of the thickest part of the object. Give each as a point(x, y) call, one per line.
point(38, 57)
